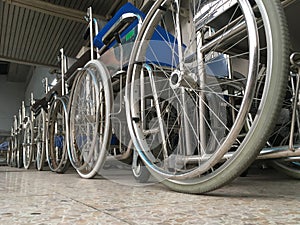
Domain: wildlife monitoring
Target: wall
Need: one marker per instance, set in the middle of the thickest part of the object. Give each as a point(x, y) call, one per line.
point(35, 85)
point(11, 96)
point(13, 93)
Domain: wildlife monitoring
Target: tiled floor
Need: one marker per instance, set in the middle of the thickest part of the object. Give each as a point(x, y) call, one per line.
point(32, 197)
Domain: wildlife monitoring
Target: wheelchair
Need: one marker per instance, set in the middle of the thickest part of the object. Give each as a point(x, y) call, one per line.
point(57, 127)
point(28, 144)
point(282, 149)
point(16, 145)
point(53, 106)
point(194, 126)
point(18, 137)
point(11, 158)
point(34, 143)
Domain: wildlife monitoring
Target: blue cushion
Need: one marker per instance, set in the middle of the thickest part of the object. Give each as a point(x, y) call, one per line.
point(4, 145)
point(217, 67)
point(59, 141)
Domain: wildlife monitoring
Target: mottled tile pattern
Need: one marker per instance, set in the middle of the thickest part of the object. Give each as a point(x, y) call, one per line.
point(32, 197)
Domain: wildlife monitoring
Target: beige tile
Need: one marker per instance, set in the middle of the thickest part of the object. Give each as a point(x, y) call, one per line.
point(32, 197)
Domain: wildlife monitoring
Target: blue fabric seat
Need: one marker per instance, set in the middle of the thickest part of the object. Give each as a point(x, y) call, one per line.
point(4, 145)
point(59, 141)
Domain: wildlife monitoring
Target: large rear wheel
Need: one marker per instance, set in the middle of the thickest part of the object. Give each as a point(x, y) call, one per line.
point(90, 124)
point(205, 83)
point(57, 133)
point(40, 139)
point(28, 144)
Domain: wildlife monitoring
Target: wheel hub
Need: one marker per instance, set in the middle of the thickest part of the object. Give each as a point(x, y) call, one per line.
point(183, 79)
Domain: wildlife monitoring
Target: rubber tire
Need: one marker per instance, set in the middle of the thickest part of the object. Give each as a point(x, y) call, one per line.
point(259, 132)
point(143, 174)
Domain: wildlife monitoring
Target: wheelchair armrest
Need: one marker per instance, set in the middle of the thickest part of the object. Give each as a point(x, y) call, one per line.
point(122, 24)
point(128, 15)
